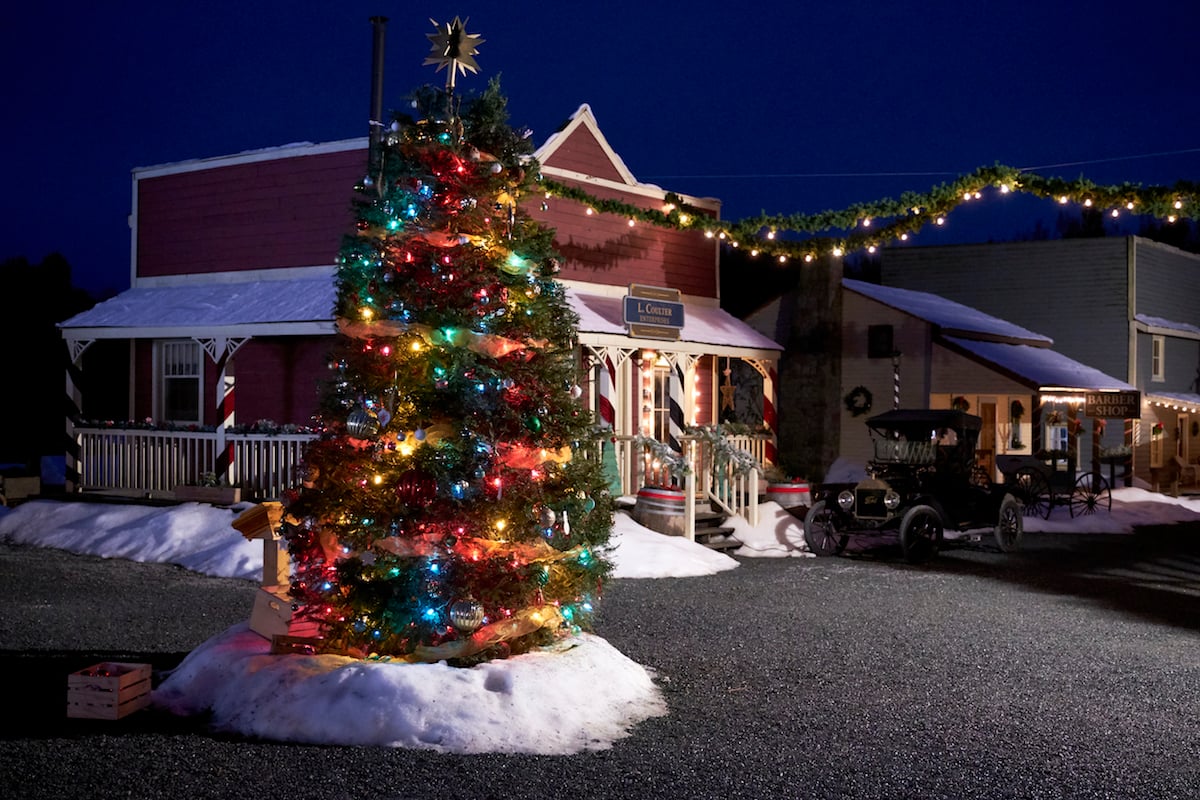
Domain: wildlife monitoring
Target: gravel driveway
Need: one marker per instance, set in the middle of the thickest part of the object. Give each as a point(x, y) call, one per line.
point(1068, 670)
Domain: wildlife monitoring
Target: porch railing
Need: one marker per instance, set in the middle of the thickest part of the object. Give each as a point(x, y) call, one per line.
point(149, 461)
point(708, 478)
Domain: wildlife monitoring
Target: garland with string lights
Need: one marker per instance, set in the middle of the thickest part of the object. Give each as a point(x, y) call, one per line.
point(867, 226)
point(445, 512)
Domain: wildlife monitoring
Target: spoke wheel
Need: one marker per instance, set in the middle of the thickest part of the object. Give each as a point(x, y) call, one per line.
point(1032, 489)
point(1091, 492)
point(1010, 524)
point(821, 533)
point(920, 533)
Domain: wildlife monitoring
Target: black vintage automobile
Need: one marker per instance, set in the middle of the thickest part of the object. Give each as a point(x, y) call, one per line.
point(922, 480)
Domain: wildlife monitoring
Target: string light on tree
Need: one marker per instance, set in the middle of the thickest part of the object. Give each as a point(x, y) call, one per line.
point(449, 413)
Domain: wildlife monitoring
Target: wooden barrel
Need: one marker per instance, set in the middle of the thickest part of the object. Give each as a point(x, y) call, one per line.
point(789, 495)
point(660, 509)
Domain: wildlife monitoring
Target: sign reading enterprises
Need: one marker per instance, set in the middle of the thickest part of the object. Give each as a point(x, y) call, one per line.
point(652, 312)
point(1112, 405)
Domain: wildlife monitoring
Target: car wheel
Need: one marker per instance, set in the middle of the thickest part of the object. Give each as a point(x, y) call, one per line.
point(821, 533)
point(1010, 524)
point(920, 533)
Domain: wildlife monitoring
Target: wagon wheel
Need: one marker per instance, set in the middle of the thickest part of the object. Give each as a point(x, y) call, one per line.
point(1032, 489)
point(1010, 524)
point(1091, 492)
point(920, 533)
point(821, 533)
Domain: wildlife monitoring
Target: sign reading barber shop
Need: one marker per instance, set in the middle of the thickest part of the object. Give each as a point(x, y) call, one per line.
point(653, 312)
point(1113, 405)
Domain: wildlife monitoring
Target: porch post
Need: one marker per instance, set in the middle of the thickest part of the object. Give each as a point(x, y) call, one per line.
point(675, 426)
point(72, 477)
point(770, 380)
point(225, 418)
point(607, 392)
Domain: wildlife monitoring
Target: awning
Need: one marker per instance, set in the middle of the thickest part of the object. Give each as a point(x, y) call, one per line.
point(1040, 368)
point(1189, 403)
point(304, 306)
point(294, 307)
point(706, 329)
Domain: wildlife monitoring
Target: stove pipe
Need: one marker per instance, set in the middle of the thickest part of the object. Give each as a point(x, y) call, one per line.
point(376, 121)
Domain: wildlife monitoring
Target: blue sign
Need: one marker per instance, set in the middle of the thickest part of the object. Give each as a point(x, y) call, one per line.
point(660, 313)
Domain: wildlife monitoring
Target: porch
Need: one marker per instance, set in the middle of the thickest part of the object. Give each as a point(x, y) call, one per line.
point(723, 472)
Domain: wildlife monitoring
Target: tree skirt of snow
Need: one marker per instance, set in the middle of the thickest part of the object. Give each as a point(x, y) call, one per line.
point(581, 696)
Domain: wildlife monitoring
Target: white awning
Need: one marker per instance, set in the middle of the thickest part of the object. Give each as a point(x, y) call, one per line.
point(304, 306)
point(1040, 368)
point(706, 329)
point(294, 307)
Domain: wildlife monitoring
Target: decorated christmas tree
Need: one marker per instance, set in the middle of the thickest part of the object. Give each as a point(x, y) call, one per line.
point(454, 508)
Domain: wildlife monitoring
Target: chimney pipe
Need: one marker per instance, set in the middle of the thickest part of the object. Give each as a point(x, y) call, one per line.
point(376, 121)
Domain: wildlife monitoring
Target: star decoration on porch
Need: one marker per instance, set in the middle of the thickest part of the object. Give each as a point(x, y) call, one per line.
point(453, 47)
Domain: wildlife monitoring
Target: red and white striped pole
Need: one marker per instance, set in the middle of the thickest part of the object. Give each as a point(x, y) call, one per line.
point(225, 417)
point(71, 475)
point(607, 393)
point(769, 417)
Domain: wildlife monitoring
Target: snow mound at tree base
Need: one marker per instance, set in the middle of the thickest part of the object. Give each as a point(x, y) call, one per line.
point(584, 695)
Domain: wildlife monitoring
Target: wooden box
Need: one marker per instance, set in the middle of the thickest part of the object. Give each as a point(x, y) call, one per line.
point(272, 612)
point(109, 690)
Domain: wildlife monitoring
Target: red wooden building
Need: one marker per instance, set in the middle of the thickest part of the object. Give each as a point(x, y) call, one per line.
point(230, 312)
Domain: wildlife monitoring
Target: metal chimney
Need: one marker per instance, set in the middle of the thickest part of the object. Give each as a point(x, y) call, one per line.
point(376, 122)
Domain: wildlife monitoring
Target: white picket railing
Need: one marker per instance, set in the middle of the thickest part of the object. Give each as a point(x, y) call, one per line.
point(265, 465)
point(149, 461)
point(721, 485)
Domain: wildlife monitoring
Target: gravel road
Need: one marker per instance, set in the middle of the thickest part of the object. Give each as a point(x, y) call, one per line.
point(1068, 670)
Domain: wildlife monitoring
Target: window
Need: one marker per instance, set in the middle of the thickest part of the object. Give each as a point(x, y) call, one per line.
point(662, 402)
point(1157, 369)
point(180, 384)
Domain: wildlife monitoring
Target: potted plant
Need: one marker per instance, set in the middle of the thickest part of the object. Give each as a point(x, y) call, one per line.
point(786, 489)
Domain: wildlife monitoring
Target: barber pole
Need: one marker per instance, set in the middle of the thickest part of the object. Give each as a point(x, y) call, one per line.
point(71, 445)
point(226, 417)
point(769, 417)
point(607, 391)
point(675, 426)
point(895, 381)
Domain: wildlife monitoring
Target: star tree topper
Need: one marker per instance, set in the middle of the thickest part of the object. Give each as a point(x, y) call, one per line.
point(453, 47)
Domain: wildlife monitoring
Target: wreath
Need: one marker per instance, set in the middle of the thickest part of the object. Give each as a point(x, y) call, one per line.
point(858, 402)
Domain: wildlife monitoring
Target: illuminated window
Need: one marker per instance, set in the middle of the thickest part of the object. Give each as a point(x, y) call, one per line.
point(179, 381)
point(1157, 370)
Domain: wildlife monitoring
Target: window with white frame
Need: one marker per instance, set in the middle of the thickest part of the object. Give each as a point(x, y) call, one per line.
point(180, 389)
point(1157, 368)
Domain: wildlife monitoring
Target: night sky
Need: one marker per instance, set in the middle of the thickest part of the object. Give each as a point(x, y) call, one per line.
point(778, 107)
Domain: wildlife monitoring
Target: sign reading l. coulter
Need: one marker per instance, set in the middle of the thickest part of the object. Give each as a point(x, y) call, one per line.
point(653, 312)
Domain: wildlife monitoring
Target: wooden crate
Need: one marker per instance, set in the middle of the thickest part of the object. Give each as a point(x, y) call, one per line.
point(272, 612)
point(108, 690)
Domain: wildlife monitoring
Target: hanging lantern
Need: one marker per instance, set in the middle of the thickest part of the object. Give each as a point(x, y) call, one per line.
point(362, 423)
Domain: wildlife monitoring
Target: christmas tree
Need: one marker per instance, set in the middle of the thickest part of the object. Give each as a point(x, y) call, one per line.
point(453, 508)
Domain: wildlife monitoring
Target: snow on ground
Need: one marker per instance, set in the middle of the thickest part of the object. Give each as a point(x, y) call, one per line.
point(583, 695)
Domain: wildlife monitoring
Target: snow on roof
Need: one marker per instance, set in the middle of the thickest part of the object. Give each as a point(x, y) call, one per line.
point(170, 310)
point(1166, 324)
point(701, 324)
point(213, 305)
point(1041, 366)
point(948, 315)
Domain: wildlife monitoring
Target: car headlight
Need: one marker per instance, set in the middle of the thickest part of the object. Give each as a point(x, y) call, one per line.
point(846, 500)
point(891, 500)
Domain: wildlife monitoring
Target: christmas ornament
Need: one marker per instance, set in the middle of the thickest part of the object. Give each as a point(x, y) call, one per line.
point(416, 488)
point(466, 615)
point(362, 423)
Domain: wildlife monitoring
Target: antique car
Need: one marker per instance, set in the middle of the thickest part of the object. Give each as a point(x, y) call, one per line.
point(922, 480)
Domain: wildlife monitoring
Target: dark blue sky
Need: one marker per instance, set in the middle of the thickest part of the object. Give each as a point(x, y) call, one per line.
point(783, 107)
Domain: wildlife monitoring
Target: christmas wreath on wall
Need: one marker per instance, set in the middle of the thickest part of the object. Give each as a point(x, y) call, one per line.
point(858, 401)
